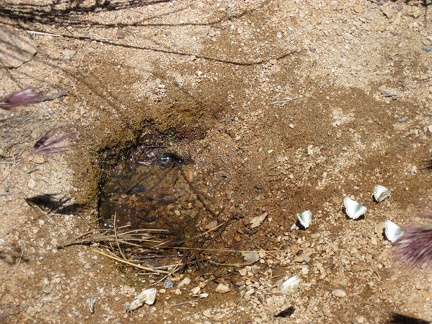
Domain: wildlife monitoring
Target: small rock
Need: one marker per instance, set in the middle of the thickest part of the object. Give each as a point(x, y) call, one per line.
point(47, 289)
point(358, 9)
point(196, 290)
point(427, 48)
point(184, 282)
point(38, 159)
point(256, 221)
point(222, 289)
point(251, 257)
point(200, 32)
point(339, 293)
point(168, 284)
point(31, 184)
point(211, 225)
point(207, 313)
point(68, 53)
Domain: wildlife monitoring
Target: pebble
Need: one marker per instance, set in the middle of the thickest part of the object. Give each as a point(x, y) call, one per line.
point(222, 289)
point(359, 320)
point(207, 313)
point(184, 282)
point(339, 293)
point(31, 183)
point(38, 159)
point(200, 32)
point(251, 257)
point(168, 283)
point(68, 53)
point(358, 9)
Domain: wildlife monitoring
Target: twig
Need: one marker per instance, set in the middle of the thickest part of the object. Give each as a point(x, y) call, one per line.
point(115, 235)
point(186, 302)
point(130, 263)
point(36, 206)
point(199, 196)
point(42, 33)
point(223, 250)
point(50, 97)
point(237, 265)
point(18, 264)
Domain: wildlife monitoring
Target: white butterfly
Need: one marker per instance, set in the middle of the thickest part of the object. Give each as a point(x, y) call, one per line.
point(381, 193)
point(353, 209)
point(392, 231)
point(305, 218)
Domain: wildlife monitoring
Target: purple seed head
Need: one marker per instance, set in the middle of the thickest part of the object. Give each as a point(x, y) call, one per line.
point(19, 98)
point(415, 245)
point(43, 147)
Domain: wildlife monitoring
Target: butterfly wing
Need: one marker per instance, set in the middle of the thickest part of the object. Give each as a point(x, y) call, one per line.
point(392, 231)
point(381, 193)
point(305, 218)
point(353, 209)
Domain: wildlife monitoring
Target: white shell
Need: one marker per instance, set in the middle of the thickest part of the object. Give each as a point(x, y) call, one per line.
point(147, 296)
point(289, 284)
point(305, 218)
point(353, 209)
point(392, 231)
point(381, 193)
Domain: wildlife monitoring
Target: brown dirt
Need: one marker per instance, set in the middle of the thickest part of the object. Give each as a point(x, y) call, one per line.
point(279, 104)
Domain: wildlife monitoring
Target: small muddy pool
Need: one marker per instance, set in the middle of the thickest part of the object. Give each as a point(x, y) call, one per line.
point(149, 199)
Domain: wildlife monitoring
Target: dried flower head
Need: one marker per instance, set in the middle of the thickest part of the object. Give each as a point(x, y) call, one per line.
point(43, 147)
point(19, 98)
point(415, 245)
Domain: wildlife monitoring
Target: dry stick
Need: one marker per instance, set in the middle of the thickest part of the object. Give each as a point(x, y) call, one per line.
point(50, 97)
point(115, 235)
point(12, 170)
point(36, 206)
point(176, 267)
point(185, 54)
point(18, 264)
point(224, 250)
point(210, 230)
point(186, 302)
point(237, 265)
point(41, 33)
point(130, 263)
point(199, 196)
point(107, 239)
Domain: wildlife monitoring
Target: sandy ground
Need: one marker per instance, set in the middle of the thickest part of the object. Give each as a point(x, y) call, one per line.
point(283, 106)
